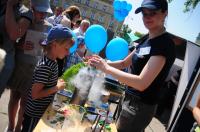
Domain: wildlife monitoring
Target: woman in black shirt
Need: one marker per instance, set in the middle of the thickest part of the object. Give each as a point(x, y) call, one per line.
point(150, 64)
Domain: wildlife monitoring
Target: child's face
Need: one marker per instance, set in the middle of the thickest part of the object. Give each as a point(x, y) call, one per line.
point(63, 49)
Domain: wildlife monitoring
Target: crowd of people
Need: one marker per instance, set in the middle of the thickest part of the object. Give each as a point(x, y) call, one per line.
point(37, 53)
point(27, 58)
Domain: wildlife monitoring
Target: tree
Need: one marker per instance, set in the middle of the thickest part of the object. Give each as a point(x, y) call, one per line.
point(138, 34)
point(123, 33)
point(124, 30)
point(198, 39)
point(189, 4)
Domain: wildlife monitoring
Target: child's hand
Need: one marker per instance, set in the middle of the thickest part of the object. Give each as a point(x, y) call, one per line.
point(61, 84)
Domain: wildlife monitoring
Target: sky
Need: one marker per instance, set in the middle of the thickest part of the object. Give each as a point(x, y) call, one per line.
point(185, 25)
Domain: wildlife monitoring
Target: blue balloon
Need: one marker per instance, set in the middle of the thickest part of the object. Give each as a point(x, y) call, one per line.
point(129, 7)
point(116, 4)
point(95, 38)
point(123, 4)
point(124, 13)
point(75, 45)
point(117, 49)
point(118, 16)
point(120, 19)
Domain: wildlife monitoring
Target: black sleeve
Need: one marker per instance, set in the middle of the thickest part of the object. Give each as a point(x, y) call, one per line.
point(161, 47)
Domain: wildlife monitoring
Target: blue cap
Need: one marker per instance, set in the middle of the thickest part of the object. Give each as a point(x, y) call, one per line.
point(153, 5)
point(41, 5)
point(80, 40)
point(57, 32)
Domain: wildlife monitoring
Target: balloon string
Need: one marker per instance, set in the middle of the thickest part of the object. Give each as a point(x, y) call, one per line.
point(80, 57)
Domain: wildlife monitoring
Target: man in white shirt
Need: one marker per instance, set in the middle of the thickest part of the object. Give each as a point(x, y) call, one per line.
point(57, 12)
point(83, 27)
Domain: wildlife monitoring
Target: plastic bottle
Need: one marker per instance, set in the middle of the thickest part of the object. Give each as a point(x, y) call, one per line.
point(109, 118)
point(65, 125)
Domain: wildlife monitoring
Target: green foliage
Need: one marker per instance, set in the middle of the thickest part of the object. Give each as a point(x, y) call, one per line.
point(123, 33)
point(124, 30)
point(138, 34)
point(189, 4)
point(70, 73)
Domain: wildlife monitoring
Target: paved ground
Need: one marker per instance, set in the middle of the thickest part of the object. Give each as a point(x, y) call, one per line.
point(4, 110)
point(155, 125)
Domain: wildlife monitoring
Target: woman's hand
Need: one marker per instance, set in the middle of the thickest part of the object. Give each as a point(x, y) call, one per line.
point(99, 63)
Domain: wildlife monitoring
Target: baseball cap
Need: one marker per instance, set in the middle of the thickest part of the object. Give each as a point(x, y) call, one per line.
point(153, 5)
point(57, 32)
point(80, 39)
point(42, 5)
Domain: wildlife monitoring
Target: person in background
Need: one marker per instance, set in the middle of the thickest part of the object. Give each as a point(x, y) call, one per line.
point(81, 32)
point(151, 61)
point(77, 24)
point(196, 115)
point(77, 56)
point(58, 11)
point(168, 93)
point(15, 19)
point(83, 27)
point(68, 18)
point(45, 78)
point(27, 54)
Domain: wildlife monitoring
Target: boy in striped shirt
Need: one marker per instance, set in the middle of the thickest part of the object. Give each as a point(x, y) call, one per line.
point(45, 78)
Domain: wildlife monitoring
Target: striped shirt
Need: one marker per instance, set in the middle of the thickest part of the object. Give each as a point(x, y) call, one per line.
point(46, 72)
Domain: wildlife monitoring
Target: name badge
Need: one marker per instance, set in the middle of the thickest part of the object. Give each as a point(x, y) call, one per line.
point(144, 51)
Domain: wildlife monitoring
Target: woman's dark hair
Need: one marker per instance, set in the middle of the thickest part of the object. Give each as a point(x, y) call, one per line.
point(164, 5)
point(72, 11)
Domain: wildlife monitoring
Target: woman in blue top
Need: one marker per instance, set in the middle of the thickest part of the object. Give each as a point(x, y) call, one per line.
point(150, 64)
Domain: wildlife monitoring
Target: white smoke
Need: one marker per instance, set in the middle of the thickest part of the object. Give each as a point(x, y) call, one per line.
point(90, 83)
point(83, 80)
point(96, 90)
